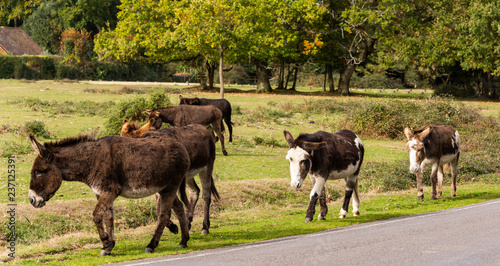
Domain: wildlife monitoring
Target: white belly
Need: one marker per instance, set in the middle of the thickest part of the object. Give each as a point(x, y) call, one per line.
point(139, 193)
point(349, 171)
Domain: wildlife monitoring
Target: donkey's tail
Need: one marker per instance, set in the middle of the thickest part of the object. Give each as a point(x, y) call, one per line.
point(182, 191)
point(446, 168)
point(214, 190)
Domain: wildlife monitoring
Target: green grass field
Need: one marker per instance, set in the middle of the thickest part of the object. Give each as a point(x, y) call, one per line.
point(257, 201)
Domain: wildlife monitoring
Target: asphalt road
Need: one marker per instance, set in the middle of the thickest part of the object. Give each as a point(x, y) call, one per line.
point(467, 235)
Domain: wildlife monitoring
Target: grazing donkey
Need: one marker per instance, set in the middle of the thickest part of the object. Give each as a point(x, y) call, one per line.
point(222, 104)
point(113, 166)
point(325, 156)
point(200, 146)
point(183, 115)
point(437, 146)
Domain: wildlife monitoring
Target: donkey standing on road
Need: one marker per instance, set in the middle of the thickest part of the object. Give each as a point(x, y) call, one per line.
point(325, 156)
point(222, 104)
point(437, 146)
point(113, 166)
point(183, 115)
point(200, 146)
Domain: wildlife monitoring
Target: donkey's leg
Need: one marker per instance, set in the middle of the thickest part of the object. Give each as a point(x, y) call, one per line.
point(420, 189)
point(183, 222)
point(166, 201)
point(355, 199)
point(434, 174)
point(217, 129)
point(349, 188)
point(318, 186)
point(440, 175)
point(194, 193)
point(227, 119)
point(170, 225)
point(103, 212)
point(324, 207)
point(206, 184)
point(454, 173)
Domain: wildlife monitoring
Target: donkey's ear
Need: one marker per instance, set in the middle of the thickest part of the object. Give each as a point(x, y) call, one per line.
point(148, 111)
point(312, 146)
point(38, 147)
point(157, 113)
point(408, 133)
point(425, 133)
point(180, 97)
point(288, 138)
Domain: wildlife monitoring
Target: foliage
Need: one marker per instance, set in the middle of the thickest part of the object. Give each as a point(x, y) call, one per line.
point(134, 110)
point(75, 45)
point(37, 128)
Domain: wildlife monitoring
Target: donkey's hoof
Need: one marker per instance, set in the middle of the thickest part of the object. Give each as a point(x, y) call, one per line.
point(321, 218)
point(356, 213)
point(225, 153)
point(182, 246)
point(105, 252)
point(173, 228)
point(341, 216)
point(421, 198)
point(149, 250)
point(308, 220)
point(204, 232)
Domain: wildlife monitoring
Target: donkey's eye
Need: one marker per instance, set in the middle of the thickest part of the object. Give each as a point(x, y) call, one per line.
point(291, 160)
point(39, 174)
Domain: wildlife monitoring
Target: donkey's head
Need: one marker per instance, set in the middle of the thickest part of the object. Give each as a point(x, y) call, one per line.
point(132, 130)
point(189, 101)
point(299, 156)
point(154, 119)
point(415, 147)
point(46, 176)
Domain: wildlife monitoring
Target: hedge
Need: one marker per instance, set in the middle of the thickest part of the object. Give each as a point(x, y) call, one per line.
point(53, 67)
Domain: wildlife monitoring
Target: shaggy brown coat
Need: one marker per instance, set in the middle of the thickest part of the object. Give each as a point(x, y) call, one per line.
point(183, 115)
point(200, 146)
point(113, 166)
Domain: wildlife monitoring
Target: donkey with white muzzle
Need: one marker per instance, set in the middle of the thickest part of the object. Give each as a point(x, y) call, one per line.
point(325, 156)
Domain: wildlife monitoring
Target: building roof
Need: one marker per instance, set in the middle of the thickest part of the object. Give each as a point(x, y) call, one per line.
point(16, 42)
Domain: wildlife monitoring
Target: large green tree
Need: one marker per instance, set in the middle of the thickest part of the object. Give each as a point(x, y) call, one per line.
point(15, 12)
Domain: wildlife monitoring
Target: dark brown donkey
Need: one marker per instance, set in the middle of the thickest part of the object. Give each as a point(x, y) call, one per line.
point(437, 146)
point(113, 166)
point(324, 156)
point(222, 104)
point(200, 146)
point(183, 115)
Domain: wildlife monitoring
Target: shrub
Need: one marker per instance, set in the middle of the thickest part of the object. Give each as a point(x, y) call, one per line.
point(36, 128)
point(133, 110)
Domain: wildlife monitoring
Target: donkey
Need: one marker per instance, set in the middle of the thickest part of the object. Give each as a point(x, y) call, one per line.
point(325, 156)
point(222, 104)
point(437, 146)
point(200, 146)
point(113, 166)
point(183, 115)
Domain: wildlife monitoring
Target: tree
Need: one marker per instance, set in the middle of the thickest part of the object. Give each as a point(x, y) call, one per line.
point(15, 12)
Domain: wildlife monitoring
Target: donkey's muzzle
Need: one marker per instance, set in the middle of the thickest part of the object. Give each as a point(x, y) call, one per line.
point(36, 200)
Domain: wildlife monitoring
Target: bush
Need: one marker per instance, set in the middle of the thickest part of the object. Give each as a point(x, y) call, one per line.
point(36, 128)
point(133, 110)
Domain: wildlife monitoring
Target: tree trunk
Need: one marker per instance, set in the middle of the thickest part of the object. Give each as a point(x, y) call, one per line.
point(287, 76)
point(281, 76)
point(329, 73)
point(211, 74)
point(202, 75)
point(221, 79)
point(263, 78)
point(345, 79)
point(295, 72)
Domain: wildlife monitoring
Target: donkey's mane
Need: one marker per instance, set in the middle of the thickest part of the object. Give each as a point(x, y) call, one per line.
point(420, 130)
point(68, 141)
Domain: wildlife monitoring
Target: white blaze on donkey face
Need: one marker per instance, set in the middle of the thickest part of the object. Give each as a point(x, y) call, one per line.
point(300, 162)
point(414, 147)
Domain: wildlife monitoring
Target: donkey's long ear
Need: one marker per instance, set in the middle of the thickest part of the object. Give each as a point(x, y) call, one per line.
point(38, 147)
point(288, 138)
point(425, 133)
point(148, 111)
point(180, 97)
point(408, 133)
point(312, 146)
